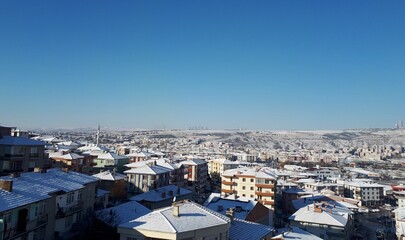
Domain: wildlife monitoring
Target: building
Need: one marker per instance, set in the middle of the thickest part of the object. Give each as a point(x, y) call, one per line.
point(250, 183)
point(113, 182)
point(400, 223)
point(182, 220)
point(294, 233)
point(58, 204)
point(369, 194)
point(148, 177)
point(243, 208)
point(336, 188)
point(163, 196)
point(109, 161)
point(218, 166)
point(19, 154)
point(324, 220)
point(197, 173)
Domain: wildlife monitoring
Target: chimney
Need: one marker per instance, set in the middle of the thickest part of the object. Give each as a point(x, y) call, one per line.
point(66, 170)
point(176, 210)
point(6, 185)
point(229, 213)
point(39, 170)
point(15, 175)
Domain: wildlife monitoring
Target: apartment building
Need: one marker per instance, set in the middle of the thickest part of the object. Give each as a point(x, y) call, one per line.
point(113, 182)
point(58, 204)
point(197, 173)
point(336, 188)
point(369, 194)
point(109, 161)
point(400, 222)
point(218, 166)
point(147, 177)
point(250, 183)
point(20, 154)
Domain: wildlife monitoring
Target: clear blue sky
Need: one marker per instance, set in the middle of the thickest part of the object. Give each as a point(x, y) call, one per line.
point(220, 64)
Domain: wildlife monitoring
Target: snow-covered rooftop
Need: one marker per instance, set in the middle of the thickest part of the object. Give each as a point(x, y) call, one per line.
point(122, 213)
point(157, 194)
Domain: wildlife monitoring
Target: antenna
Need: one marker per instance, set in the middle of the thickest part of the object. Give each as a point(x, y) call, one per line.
point(97, 135)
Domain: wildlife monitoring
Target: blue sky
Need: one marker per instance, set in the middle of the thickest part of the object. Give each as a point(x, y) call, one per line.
point(296, 65)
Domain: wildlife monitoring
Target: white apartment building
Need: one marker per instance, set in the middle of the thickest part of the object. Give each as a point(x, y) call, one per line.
point(250, 183)
point(369, 194)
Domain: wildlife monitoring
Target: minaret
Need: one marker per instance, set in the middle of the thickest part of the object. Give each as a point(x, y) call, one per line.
point(97, 134)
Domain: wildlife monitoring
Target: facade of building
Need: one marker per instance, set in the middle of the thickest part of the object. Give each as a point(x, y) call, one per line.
point(148, 177)
point(250, 183)
point(57, 204)
point(20, 154)
point(369, 194)
point(197, 173)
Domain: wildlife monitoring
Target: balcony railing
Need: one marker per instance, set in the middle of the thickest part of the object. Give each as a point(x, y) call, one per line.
point(65, 211)
point(227, 191)
point(13, 232)
point(227, 183)
point(264, 185)
point(266, 202)
point(266, 194)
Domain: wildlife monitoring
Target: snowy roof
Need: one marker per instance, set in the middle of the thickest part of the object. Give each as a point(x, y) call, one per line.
point(160, 162)
point(109, 176)
point(248, 172)
point(328, 216)
point(295, 233)
point(20, 141)
point(156, 195)
point(19, 197)
point(109, 156)
point(148, 170)
point(192, 217)
point(32, 187)
point(245, 230)
point(136, 154)
point(72, 156)
point(54, 180)
point(194, 162)
point(220, 205)
point(122, 213)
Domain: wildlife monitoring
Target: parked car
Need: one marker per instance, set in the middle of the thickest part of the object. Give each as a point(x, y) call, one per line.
point(374, 210)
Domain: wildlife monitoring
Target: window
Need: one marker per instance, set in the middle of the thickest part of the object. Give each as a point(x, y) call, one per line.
point(251, 180)
point(251, 188)
point(131, 238)
point(243, 187)
point(79, 195)
point(70, 197)
point(69, 221)
point(243, 179)
point(243, 195)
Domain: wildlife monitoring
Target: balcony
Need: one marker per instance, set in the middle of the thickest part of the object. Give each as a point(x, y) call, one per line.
point(227, 183)
point(230, 191)
point(266, 194)
point(263, 185)
point(14, 232)
point(266, 202)
point(65, 211)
